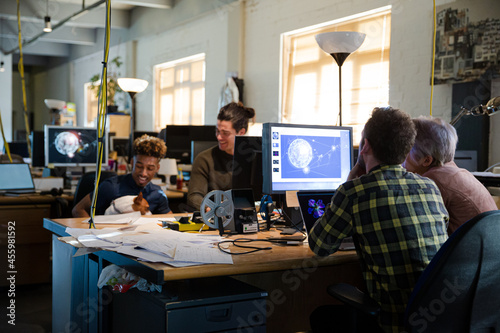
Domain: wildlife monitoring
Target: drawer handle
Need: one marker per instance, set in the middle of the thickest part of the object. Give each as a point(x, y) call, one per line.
point(218, 313)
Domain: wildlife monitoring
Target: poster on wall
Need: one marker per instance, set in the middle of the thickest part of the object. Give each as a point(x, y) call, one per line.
point(467, 41)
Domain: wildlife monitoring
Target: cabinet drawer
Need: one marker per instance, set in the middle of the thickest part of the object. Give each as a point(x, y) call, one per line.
point(217, 317)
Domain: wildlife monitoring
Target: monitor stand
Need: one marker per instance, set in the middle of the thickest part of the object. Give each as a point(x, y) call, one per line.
point(291, 215)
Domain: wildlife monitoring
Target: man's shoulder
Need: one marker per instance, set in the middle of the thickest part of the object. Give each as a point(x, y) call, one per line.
point(387, 176)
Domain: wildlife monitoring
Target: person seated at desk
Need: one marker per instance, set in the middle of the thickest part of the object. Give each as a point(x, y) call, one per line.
point(432, 157)
point(147, 152)
point(212, 168)
point(397, 220)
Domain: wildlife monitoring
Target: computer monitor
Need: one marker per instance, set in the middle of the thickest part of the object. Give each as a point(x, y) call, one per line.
point(72, 146)
point(199, 146)
point(305, 157)
point(119, 144)
point(19, 148)
point(37, 148)
point(179, 137)
point(247, 164)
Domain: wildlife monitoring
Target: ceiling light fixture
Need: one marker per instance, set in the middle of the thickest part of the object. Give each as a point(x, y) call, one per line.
point(48, 26)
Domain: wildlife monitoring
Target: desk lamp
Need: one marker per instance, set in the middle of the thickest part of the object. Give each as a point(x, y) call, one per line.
point(133, 87)
point(55, 107)
point(491, 108)
point(168, 168)
point(340, 44)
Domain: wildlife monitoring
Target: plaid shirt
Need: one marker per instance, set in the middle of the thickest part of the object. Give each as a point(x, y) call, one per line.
point(398, 222)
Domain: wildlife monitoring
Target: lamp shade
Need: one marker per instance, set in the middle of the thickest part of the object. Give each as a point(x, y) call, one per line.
point(168, 166)
point(132, 85)
point(340, 41)
point(55, 104)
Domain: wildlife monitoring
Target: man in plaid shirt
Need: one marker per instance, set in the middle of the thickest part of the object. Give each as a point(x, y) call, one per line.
point(397, 219)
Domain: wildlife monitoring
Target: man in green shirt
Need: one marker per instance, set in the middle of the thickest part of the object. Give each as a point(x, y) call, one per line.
point(397, 219)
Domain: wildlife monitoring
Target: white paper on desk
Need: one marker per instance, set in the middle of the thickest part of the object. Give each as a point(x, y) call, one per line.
point(93, 241)
point(147, 220)
point(162, 247)
point(116, 219)
point(202, 254)
point(145, 255)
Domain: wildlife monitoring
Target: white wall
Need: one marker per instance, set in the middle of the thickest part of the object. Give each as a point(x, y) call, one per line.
point(6, 98)
point(209, 35)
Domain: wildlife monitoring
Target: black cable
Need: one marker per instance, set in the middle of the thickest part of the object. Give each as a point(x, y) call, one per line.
point(245, 240)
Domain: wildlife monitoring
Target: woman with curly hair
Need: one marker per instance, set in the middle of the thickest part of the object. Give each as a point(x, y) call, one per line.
point(212, 168)
point(147, 152)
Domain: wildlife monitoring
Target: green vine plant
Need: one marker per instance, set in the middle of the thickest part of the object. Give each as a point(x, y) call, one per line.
point(113, 75)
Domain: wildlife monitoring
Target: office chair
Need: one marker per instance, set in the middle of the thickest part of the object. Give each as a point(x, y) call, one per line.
point(4, 158)
point(86, 184)
point(458, 291)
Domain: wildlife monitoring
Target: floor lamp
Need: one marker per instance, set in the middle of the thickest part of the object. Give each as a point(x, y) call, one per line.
point(340, 44)
point(133, 87)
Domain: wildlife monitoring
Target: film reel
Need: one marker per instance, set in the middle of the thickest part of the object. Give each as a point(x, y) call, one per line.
point(221, 211)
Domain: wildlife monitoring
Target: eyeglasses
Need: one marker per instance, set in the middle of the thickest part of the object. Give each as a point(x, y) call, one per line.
point(222, 133)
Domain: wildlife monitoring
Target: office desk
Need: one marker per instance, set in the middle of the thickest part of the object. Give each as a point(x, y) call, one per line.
point(293, 276)
point(24, 215)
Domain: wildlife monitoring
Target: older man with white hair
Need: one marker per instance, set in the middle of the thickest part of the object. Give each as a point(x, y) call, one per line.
point(432, 157)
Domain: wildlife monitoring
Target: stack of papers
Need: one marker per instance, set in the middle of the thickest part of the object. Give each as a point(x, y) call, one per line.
point(149, 242)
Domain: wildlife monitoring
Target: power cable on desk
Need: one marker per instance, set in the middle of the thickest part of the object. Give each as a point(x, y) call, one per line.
point(255, 248)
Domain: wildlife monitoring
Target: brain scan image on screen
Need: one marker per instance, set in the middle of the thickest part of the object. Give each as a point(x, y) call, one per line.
point(73, 146)
point(310, 156)
point(67, 143)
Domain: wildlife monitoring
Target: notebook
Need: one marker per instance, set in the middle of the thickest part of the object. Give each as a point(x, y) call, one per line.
point(16, 178)
point(312, 206)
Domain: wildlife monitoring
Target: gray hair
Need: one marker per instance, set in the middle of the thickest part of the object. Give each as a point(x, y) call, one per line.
point(435, 138)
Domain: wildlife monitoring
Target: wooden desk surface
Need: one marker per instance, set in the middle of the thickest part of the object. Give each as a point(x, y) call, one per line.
point(279, 258)
point(30, 199)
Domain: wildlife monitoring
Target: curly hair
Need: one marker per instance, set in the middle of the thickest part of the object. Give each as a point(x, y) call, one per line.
point(391, 134)
point(149, 146)
point(435, 138)
point(237, 114)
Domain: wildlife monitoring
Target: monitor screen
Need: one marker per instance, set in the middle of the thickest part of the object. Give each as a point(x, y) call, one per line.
point(119, 144)
point(37, 149)
point(72, 146)
point(247, 164)
point(19, 148)
point(199, 146)
point(178, 139)
point(305, 157)
point(15, 177)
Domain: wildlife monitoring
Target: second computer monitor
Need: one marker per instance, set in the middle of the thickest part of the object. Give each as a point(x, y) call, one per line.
point(305, 157)
point(179, 137)
point(247, 164)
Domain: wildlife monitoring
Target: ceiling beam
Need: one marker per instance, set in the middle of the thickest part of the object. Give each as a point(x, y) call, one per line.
point(32, 11)
point(162, 4)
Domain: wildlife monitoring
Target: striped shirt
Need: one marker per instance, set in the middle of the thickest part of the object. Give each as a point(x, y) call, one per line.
point(398, 222)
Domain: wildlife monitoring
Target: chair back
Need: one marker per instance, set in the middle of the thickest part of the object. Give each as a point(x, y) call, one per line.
point(459, 290)
point(86, 184)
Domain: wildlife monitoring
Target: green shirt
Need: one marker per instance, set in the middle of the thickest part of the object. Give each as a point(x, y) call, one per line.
point(212, 170)
point(398, 222)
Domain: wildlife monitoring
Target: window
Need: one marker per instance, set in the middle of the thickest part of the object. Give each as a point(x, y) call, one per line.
point(91, 105)
point(309, 86)
point(180, 92)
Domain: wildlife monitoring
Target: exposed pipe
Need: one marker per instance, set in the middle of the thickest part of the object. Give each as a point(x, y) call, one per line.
point(61, 23)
